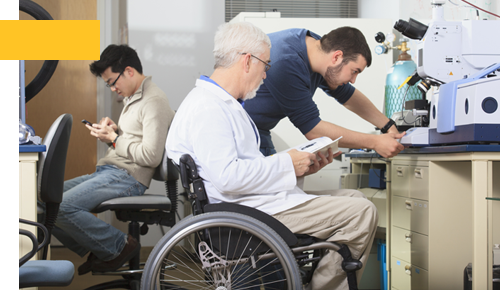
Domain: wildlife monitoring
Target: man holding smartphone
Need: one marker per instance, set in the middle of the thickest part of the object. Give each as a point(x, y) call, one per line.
point(136, 147)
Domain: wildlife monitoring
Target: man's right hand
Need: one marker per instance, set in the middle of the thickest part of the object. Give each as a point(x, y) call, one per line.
point(388, 144)
point(108, 122)
point(301, 161)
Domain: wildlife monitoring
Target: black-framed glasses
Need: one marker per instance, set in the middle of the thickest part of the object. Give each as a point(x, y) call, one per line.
point(113, 84)
point(268, 66)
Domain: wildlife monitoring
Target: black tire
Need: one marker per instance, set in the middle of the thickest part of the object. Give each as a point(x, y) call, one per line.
point(49, 66)
point(177, 260)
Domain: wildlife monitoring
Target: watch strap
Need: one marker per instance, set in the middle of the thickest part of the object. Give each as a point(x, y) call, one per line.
point(114, 141)
point(387, 126)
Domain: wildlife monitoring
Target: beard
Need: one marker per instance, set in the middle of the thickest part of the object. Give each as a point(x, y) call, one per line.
point(331, 76)
point(253, 93)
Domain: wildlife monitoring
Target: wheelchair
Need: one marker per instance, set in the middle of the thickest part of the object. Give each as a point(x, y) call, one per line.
point(227, 246)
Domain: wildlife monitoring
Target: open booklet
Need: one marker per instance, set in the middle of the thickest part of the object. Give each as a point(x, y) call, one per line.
point(320, 144)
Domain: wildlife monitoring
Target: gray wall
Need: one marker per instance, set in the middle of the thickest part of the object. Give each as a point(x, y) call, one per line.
point(174, 40)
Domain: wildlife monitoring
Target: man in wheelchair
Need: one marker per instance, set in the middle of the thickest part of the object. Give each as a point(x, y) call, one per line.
point(214, 129)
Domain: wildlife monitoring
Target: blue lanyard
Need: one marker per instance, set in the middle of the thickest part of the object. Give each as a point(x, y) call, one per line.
point(242, 103)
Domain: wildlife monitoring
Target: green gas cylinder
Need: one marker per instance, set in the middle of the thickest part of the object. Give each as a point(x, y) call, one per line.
point(397, 74)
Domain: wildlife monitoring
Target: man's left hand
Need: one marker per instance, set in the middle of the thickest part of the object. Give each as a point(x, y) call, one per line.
point(322, 162)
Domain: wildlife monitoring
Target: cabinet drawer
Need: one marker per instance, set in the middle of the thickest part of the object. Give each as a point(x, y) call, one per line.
point(410, 214)
point(406, 276)
point(419, 182)
point(400, 180)
point(410, 246)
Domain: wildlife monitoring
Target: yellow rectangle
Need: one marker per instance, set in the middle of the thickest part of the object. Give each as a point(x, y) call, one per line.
point(49, 40)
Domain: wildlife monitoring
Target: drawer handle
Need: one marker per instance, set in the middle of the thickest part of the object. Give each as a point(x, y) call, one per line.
point(400, 171)
point(408, 270)
point(418, 173)
point(408, 238)
point(408, 205)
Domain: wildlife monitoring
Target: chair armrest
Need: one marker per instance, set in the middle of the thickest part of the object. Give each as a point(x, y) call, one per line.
point(33, 251)
point(166, 171)
point(41, 226)
point(34, 240)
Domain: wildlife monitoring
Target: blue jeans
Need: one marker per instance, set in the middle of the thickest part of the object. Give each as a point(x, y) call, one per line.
point(77, 228)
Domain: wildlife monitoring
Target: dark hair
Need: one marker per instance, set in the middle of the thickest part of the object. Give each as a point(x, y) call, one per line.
point(118, 57)
point(350, 41)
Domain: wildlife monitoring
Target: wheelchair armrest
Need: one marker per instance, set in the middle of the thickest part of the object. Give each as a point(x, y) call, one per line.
point(188, 170)
point(285, 233)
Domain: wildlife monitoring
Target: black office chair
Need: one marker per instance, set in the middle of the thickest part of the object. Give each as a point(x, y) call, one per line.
point(51, 166)
point(148, 209)
point(42, 273)
point(231, 246)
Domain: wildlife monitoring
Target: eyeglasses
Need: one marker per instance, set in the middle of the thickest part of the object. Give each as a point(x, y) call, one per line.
point(268, 66)
point(113, 84)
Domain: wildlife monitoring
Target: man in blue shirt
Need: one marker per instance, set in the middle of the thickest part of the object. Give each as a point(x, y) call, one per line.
point(302, 61)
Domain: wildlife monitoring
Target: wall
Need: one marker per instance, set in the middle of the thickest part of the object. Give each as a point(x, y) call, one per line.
point(421, 9)
point(174, 40)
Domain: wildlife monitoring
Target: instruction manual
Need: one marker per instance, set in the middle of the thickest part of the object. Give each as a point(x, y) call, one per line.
point(321, 144)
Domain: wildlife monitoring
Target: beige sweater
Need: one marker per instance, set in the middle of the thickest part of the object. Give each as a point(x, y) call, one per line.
point(142, 127)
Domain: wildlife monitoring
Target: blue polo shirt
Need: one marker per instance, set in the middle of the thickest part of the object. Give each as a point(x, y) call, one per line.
point(289, 87)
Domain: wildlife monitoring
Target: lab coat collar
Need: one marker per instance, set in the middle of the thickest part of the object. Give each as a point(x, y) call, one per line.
point(228, 99)
point(217, 90)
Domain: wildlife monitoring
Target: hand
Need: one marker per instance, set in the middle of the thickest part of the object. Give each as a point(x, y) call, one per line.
point(103, 133)
point(108, 122)
point(323, 161)
point(393, 129)
point(301, 161)
point(388, 144)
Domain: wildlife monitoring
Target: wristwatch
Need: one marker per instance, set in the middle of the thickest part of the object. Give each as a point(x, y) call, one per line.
point(114, 141)
point(387, 126)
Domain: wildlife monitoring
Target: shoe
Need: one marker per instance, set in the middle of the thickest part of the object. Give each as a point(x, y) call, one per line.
point(87, 266)
point(131, 249)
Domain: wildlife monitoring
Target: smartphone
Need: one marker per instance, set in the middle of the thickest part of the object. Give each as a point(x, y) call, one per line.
point(86, 122)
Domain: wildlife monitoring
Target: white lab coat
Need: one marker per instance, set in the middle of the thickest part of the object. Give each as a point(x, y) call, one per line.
point(217, 132)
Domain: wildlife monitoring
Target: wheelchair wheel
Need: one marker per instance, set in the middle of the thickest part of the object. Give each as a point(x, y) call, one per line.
point(221, 250)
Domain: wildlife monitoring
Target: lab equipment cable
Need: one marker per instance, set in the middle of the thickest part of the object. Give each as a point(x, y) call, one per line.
point(465, 6)
point(485, 11)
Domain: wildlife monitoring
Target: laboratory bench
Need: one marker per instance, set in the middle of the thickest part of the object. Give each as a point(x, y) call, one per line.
point(442, 212)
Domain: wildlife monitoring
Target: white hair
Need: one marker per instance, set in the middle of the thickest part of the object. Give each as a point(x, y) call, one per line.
point(233, 39)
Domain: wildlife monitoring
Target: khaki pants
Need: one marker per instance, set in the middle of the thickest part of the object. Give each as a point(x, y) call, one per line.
point(344, 216)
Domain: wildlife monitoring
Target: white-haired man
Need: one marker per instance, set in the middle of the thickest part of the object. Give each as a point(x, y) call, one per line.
point(212, 126)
